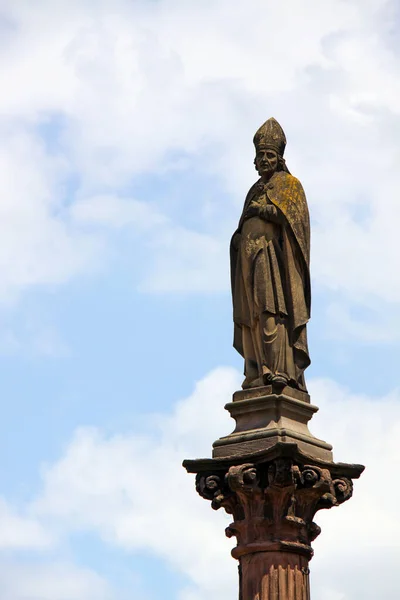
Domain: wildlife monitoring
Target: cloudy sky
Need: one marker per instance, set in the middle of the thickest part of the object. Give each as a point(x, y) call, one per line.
point(126, 151)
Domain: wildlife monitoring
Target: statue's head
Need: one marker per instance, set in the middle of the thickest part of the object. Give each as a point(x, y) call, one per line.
point(270, 142)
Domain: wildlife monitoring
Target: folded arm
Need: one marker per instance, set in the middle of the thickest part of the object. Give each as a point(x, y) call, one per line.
point(268, 212)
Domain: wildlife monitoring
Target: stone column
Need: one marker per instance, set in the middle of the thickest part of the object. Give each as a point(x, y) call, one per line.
point(273, 576)
point(273, 500)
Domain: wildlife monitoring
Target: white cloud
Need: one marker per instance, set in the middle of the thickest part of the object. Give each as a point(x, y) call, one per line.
point(38, 247)
point(133, 492)
point(178, 259)
point(53, 581)
point(117, 212)
point(127, 84)
point(20, 532)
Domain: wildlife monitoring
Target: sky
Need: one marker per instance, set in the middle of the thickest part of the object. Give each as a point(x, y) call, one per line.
point(126, 152)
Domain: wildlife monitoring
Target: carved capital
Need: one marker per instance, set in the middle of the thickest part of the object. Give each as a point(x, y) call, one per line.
point(243, 478)
point(273, 503)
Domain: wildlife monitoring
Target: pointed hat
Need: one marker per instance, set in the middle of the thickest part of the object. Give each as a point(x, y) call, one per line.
point(270, 135)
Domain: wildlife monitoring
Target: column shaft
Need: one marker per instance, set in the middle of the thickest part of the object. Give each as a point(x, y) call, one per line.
point(274, 576)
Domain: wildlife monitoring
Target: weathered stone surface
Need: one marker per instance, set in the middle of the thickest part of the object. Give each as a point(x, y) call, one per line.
point(271, 474)
point(266, 390)
point(264, 418)
point(270, 252)
point(274, 576)
point(273, 501)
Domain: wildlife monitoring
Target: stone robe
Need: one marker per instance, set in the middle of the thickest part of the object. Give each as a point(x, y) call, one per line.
point(271, 282)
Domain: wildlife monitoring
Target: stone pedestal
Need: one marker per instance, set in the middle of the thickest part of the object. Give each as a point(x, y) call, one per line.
point(272, 475)
point(265, 416)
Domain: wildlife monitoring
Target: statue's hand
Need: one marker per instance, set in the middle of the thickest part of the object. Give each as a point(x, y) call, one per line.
point(269, 212)
point(253, 210)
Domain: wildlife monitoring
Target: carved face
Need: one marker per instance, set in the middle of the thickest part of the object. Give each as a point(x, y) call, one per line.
point(266, 162)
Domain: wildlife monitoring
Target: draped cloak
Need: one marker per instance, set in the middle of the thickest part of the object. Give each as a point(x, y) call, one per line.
point(293, 298)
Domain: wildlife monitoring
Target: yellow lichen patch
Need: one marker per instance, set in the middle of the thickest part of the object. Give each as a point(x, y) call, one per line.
point(252, 246)
point(288, 195)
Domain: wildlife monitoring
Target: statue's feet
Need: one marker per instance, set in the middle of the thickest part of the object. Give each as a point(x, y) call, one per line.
point(267, 376)
point(280, 380)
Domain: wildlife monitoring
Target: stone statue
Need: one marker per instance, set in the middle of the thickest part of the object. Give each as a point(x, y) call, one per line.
point(270, 270)
point(271, 474)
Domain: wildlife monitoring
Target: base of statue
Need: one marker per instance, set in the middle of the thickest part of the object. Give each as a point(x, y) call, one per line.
point(266, 416)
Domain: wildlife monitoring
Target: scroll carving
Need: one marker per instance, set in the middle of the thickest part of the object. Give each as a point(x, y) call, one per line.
point(273, 504)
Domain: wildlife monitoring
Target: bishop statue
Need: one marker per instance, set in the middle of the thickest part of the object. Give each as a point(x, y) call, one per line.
point(270, 270)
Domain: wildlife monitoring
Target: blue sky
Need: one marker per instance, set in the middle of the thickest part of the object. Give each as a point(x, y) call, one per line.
point(126, 153)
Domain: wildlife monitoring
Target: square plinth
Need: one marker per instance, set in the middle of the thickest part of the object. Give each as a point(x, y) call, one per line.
point(265, 417)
